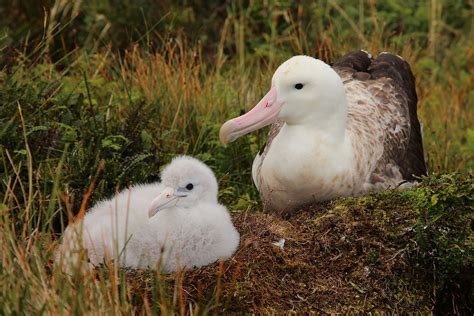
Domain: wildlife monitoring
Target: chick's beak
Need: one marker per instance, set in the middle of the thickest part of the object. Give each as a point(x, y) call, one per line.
point(167, 198)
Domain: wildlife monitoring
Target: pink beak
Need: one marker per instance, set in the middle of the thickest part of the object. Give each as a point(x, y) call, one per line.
point(167, 198)
point(263, 114)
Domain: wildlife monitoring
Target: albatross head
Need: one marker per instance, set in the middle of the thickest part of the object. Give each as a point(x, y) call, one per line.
point(187, 182)
point(305, 91)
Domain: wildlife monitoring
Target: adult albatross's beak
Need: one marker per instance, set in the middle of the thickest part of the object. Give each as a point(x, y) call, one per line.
point(168, 198)
point(263, 114)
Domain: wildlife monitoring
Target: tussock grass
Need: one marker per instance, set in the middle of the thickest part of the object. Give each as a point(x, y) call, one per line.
point(126, 87)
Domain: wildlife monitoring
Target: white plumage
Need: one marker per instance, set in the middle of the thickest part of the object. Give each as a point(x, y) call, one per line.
point(175, 223)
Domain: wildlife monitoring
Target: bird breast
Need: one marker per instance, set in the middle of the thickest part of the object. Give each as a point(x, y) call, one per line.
point(303, 168)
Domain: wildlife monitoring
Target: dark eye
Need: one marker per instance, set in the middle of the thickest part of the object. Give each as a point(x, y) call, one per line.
point(189, 186)
point(298, 86)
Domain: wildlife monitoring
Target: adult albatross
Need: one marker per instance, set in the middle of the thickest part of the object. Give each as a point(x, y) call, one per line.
point(337, 131)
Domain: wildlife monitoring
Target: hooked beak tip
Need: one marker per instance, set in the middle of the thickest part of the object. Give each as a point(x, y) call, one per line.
point(225, 133)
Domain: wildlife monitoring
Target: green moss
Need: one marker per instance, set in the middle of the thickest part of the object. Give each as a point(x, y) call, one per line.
point(432, 224)
point(445, 239)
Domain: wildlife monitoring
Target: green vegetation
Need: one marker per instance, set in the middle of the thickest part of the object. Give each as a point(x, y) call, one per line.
point(112, 90)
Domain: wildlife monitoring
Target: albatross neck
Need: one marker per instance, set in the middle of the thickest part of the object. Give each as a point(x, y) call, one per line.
point(330, 125)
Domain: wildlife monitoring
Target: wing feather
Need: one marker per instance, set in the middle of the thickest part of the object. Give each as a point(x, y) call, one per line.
point(382, 116)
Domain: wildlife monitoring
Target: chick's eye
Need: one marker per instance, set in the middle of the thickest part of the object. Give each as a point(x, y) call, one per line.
point(298, 86)
point(189, 186)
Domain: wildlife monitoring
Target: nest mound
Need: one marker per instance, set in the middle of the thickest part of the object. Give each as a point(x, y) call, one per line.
point(340, 259)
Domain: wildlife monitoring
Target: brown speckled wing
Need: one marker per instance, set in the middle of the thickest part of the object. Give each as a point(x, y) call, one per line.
point(412, 161)
point(382, 117)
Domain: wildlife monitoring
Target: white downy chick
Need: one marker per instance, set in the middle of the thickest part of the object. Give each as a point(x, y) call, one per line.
point(166, 225)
